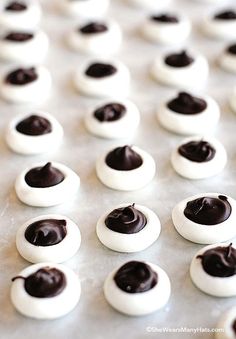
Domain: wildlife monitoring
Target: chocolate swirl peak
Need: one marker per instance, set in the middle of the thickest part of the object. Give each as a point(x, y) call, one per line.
point(16, 6)
point(123, 159)
point(179, 59)
point(93, 27)
point(45, 176)
point(166, 18)
point(18, 36)
point(46, 232)
point(219, 261)
point(47, 282)
point(208, 210)
point(126, 220)
point(135, 277)
point(100, 70)
point(226, 15)
point(34, 125)
point(232, 49)
point(197, 151)
point(22, 76)
point(110, 112)
point(185, 103)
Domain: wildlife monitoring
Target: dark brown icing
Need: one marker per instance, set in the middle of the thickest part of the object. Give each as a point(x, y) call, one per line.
point(234, 327)
point(22, 76)
point(100, 70)
point(179, 60)
point(166, 18)
point(18, 36)
point(123, 159)
point(16, 6)
point(94, 28)
point(197, 151)
point(232, 49)
point(226, 15)
point(110, 112)
point(34, 125)
point(185, 103)
point(45, 176)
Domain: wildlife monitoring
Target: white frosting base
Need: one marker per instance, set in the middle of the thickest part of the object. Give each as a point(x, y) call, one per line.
point(129, 243)
point(84, 9)
point(233, 101)
point(34, 92)
point(150, 4)
point(226, 322)
point(138, 304)
point(115, 85)
point(216, 286)
point(100, 44)
point(200, 170)
point(127, 180)
point(46, 308)
point(48, 196)
point(27, 19)
point(192, 76)
point(219, 29)
point(27, 144)
point(228, 62)
point(167, 33)
point(28, 52)
point(204, 234)
point(190, 124)
point(122, 128)
point(58, 253)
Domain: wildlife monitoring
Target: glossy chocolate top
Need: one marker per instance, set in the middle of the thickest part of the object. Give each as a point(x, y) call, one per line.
point(226, 15)
point(179, 60)
point(197, 151)
point(110, 112)
point(93, 28)
point(16, 6)
point(18, 36)
point(45, 176)
point(185, 103)
point(135, 277)
point(124, 159)
point(208, 210)
point(100, 70)
point(219, 261)
point(166, 18)
point(34, 125)
point(22, 76)
point(46, 232)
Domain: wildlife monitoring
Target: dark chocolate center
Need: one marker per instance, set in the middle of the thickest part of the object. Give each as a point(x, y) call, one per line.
point(46, 232)
point(22, 76)
point(187, 104)
point(135, 277)
point(166, 18)
point(99, 70)
point(18, 36)
point(226, 15)
point(123, 159)
point(232, 49)
point(179, 60)
point(234, 327)
point(208, 210)
point(34, 125)
point(219, 261)
point(93, 27)
point(45, 283)
point(197, 151)
point(16, 6)
point(45, 176)
point(127, 220)
point(110, 112)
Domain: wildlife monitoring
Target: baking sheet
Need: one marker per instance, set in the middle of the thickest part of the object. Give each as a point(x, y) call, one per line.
point(94, 318)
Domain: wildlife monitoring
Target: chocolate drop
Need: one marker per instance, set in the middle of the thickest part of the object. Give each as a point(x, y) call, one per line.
point(18, 36)
point(208, 210)
point(93, 28)
point(34, 125)
point(100, 70)
point(166, 18)
point(16, 6)
point(126, 220)
point(110, 112)
point(179, 60)
point(185, 103)
point(219, 261)
point(46, 232)
point(135, 277)
point(226, 15)
point(47, 282)
point(22, 76)
point(234, 327)
point(123, 159)
point(197, 151)
point(232, 49)
point(45, 176)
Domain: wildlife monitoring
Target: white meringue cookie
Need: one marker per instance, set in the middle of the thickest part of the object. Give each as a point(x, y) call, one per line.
point(189, 77)
point(233, 101)
point(138, 304)
point(212, 285)
point(24, 19)
point(34, 92)
point(114, 85)
point(48, 196)
point(55, 253)
point(32, 51)
point(200, 170)
point(31, 144)
point(99, 43)
point(167, 33)
point(218, 28)
point(227, 60)
point(190, 124)
point(50, 307)
point(134, 242)
point(117, 129)
point(200, 233)
point(127, 180)
point(84, 8)
point(150, 4)
point(227, 322)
